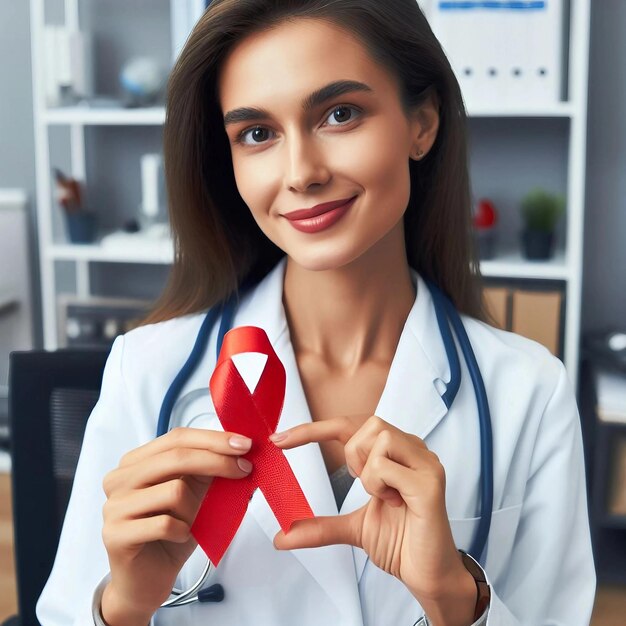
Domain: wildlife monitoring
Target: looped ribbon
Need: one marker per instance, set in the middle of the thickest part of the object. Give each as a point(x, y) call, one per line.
point(254, 415)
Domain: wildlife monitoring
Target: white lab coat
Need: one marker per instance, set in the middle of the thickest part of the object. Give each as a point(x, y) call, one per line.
point(539, 559)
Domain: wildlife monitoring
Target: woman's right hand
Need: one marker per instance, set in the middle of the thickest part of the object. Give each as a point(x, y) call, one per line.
point(153, 497)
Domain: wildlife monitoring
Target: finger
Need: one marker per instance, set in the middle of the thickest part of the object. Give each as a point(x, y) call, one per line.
point(359, 446)
point(333, 429)
point(174, 498)
point(399, 445)
point(134, 533)
point(321, 531)
point(405, 451)
point(387, 480)
point(183, 437)
point(173, 464)
point(419, 488)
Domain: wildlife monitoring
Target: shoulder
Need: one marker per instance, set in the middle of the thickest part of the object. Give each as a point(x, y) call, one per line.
point(162, 348)
point(509, 361)
point(162, 340)
point(150, 356)
point(161, 335)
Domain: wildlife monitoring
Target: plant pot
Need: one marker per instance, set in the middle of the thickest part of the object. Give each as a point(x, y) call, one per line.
point(485, 242)
point(81, 227)
point(537, 244)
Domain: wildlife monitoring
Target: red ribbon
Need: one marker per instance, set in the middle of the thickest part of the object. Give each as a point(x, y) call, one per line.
point(254, 415)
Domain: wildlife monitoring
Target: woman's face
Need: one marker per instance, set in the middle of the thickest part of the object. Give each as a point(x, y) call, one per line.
point(312, 119)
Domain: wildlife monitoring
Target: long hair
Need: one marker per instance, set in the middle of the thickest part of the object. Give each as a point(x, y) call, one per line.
point(217, 244)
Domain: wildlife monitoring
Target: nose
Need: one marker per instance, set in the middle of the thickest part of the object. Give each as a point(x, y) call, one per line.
point(306, 163)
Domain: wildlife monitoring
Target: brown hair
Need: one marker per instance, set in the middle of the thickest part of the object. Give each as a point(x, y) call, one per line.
point(217, 243)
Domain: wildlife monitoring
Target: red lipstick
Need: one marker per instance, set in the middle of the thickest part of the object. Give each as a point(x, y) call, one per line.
point(319, 217)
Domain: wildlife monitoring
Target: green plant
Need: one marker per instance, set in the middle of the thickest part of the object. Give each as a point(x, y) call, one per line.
point(541, 209)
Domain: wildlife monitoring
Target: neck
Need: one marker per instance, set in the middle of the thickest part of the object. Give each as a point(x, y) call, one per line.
point(349, 315)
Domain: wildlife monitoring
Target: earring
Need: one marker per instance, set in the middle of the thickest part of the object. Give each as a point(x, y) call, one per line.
point(418, 154)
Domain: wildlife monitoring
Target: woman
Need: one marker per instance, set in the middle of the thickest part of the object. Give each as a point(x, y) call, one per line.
point(316, 164)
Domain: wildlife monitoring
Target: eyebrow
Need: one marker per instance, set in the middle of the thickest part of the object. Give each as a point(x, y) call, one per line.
point(325, 93)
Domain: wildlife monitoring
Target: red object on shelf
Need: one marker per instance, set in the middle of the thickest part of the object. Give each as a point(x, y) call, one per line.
point(485, 215)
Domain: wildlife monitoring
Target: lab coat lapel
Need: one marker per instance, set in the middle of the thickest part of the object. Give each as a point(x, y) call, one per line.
point(332, 566)
point(410, 400)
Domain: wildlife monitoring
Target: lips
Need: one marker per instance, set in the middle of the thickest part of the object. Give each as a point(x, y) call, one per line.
point(319, 217)
point(318, 209)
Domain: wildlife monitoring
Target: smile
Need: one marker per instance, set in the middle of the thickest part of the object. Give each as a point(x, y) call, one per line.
point(318, 219)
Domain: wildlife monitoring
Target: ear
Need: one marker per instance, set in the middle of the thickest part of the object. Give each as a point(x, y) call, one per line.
point(424, 120)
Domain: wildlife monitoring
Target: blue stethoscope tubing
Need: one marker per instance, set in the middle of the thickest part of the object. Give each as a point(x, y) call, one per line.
point(444, 307)
point(446, 315)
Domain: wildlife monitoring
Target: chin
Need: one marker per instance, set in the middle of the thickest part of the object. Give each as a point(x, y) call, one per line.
point(322, 258)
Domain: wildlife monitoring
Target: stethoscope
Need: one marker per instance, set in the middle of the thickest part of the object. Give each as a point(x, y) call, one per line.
point(446, 315)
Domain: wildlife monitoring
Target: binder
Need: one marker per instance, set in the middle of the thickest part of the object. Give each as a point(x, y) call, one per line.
point(68, 63)
point(497, 303)
point(537, 315)
point(503, 52)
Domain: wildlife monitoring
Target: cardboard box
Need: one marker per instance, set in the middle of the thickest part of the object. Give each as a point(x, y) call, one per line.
point(537, 315)
point(497, 303)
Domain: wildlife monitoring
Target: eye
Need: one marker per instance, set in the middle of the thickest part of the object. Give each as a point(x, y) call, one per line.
point(341, 114)
point(257, 133)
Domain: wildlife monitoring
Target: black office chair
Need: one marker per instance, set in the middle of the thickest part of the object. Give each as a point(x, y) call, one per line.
point(51, 395)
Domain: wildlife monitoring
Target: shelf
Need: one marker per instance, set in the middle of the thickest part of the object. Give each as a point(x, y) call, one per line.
point(513, 265)
point(154, 116)
point(618, 423)
point(506, 266)
point(157, 252)
point(558, 109)
point(110, 116)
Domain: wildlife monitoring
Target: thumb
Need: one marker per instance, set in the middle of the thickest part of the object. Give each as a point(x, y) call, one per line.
point(321, 531)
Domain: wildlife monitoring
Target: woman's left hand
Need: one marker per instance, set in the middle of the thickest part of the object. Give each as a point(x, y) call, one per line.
point(404, 528)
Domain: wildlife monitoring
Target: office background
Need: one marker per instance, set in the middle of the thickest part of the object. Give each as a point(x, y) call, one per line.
point(604, 273)
point(604, 296)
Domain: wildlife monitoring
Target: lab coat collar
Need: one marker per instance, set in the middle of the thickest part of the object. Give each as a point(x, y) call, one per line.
point(421, 321)
point(410, 401)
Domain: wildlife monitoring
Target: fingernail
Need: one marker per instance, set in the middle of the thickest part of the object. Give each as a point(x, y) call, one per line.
point(240, 443)
point(278, 437)
point(244, 464)
point(351, 471)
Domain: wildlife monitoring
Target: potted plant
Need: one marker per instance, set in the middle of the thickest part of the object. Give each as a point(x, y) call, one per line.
point(484, 222)
point(541, 211)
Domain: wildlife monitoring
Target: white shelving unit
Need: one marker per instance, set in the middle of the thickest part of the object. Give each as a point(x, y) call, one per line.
point(86, 116)
point(565, 266)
